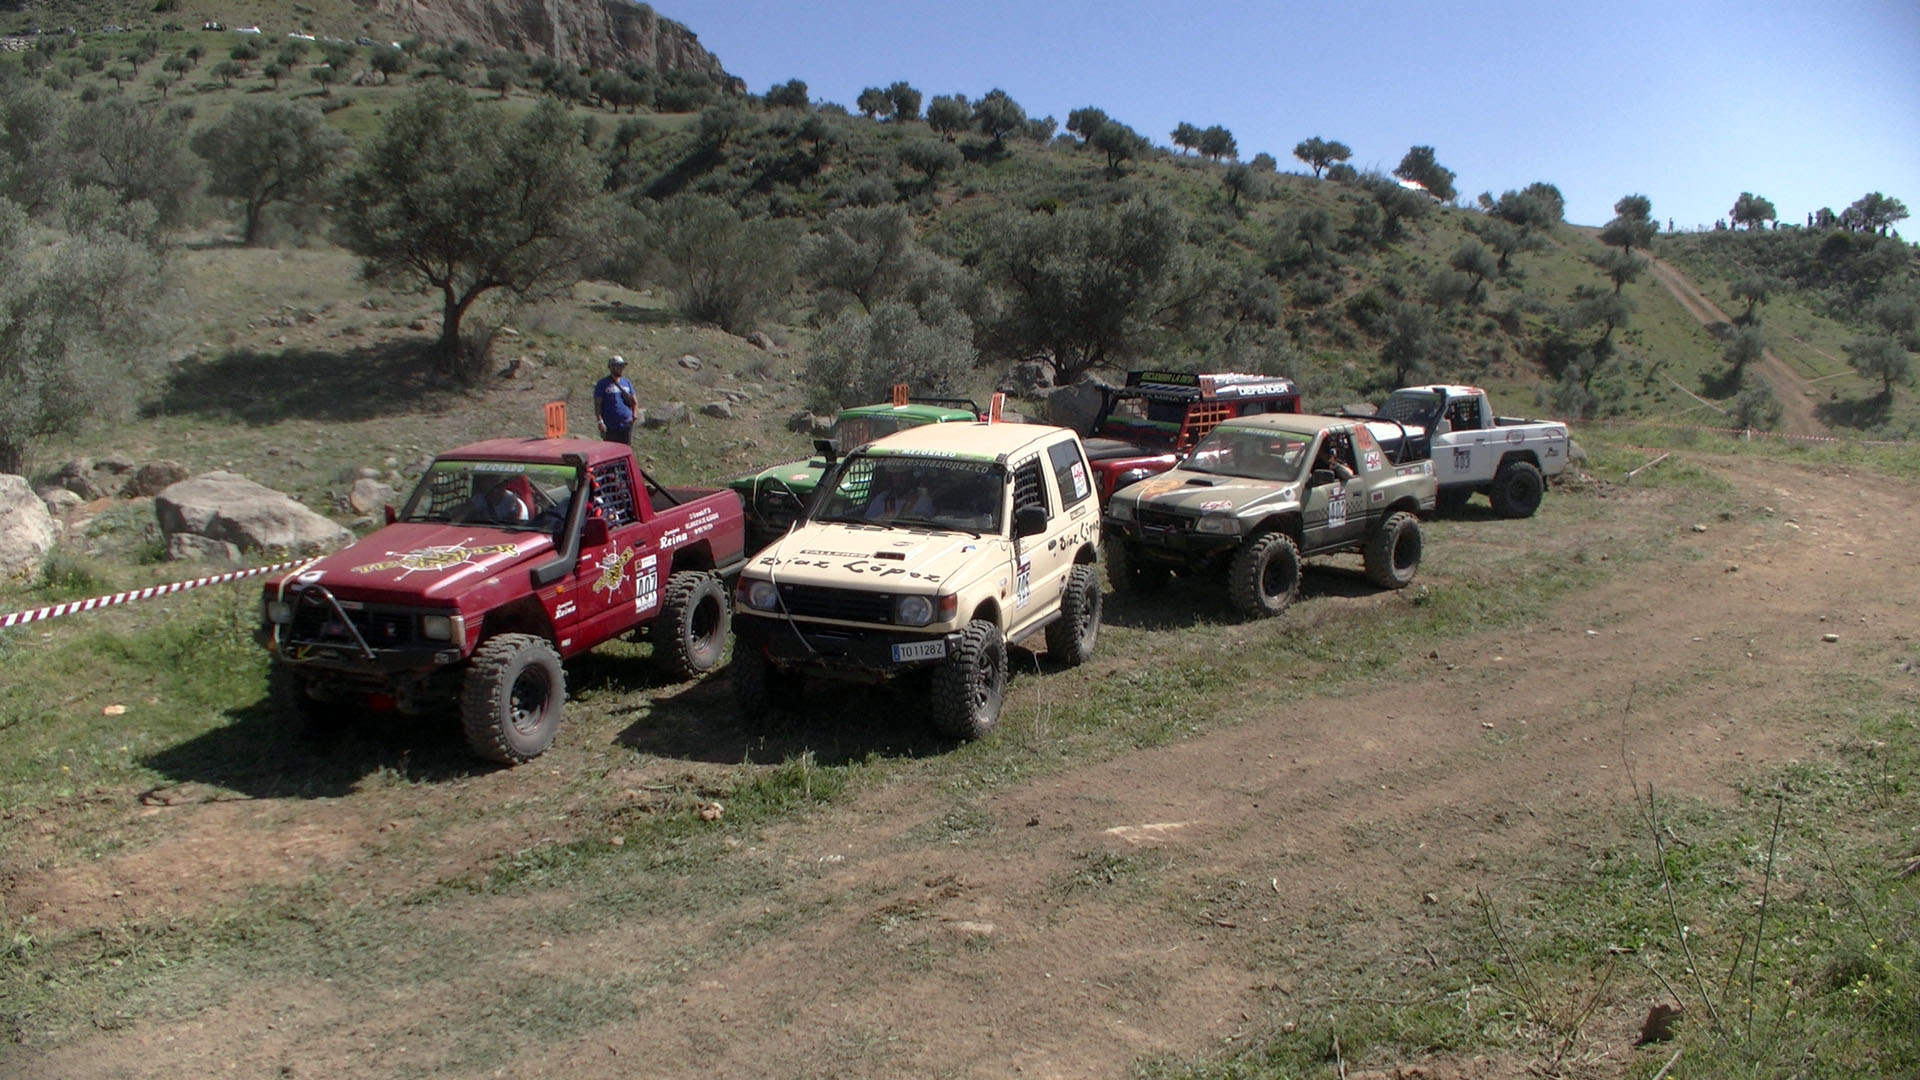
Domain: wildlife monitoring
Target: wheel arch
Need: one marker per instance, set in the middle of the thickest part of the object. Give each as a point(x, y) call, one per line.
point(692, 557)
point(523, 616)
point(988, 609)
point(1288, 522)
point(1530, 457)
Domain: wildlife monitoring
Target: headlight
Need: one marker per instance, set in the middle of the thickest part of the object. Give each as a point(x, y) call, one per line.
point(1120, 511)
point(1218, 524)
point(761, 595)
point(437, 627)
point(913, 611)
point(279, 612)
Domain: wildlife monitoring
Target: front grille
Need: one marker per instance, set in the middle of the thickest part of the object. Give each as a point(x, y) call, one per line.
point(315, 622)
point(847, 605)
point(1163, 520)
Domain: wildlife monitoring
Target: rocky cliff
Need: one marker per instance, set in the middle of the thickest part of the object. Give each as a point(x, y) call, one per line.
point(591, 33)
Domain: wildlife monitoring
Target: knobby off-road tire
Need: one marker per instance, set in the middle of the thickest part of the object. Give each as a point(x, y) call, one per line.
point(1393, 551)
point(512, 698)
point(690, 631)
point(1071, 637)
point(1264, 575)
point(761, 692)
point(297, 711)
point(1516, 490)
point(970, 686)
point(1127, 573)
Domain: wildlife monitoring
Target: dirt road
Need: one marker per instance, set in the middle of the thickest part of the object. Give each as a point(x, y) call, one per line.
point(1176, 900)
point(1795, 391)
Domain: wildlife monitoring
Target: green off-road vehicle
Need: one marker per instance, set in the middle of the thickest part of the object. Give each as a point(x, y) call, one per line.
point(775, 495)
point(1260, 492)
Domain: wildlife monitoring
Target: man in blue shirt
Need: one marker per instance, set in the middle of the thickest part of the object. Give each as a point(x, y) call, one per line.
point(613, 402)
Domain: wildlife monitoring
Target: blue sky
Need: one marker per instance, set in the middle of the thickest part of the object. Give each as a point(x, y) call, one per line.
point(1809, 104)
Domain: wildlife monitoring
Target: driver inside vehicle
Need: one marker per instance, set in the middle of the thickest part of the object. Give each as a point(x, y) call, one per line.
point(896, 494)
point(495, 502)
point(1327, 460)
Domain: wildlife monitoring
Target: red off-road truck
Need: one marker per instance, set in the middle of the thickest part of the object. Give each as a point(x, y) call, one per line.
point(1145, 426)
point(511, 556)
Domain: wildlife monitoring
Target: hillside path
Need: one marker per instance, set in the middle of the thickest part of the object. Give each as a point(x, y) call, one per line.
point(1794, 390)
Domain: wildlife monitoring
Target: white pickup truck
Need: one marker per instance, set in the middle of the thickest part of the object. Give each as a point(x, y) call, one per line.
point(1509, 459)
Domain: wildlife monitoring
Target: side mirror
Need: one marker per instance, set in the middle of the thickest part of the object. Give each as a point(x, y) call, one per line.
point(594, 532)
point(1029, 521)
point(392, 514)
point(1319, 477)
point(824, 447)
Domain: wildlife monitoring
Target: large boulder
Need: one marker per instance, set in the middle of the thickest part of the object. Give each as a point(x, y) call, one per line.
point(1028, 378)
point(1076, 406)
point(369, 495)
point(153, 478)
point(26, 529)
point(659, 416)
point(227, 506)
point(78, 476)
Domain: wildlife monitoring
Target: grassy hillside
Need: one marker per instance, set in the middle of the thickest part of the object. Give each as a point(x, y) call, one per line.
point(288, 367)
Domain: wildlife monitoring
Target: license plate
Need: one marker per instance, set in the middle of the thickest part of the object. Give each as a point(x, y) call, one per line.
point(919, 650)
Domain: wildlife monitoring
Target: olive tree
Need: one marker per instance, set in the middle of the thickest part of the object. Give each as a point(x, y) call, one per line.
point(722, 268)
point(1753, 211)
point(1318, 153)
point(1632, 225)
point(451, 196)
point(858, 355)
point(949, 114)
point(1419, 166)
point(997, 116)
point(1084, 286)
point(77, 319)
point(263, 153)
point(1882, 358)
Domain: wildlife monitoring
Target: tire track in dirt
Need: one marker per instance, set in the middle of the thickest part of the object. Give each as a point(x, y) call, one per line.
point(1347, 823)
point(1794, 390)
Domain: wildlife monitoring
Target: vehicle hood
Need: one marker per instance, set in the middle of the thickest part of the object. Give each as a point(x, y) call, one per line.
point(421, 563)
point(1184, 491)
point(876, 557)
point(802, 473)
point(1104, 448)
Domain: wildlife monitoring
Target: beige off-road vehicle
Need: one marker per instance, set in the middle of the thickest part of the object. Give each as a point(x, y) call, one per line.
point(1259, 493)
point(924, 554)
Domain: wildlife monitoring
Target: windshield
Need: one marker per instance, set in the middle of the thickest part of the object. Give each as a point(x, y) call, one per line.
point(1133, 416)
point(1419, 408)
point(935, 493)
point(498, 494)
point(853, 432)
point(1256, 452)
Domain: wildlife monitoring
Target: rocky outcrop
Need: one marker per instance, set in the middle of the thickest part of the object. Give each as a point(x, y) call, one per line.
point(605, 34)
point(1076, 406)
point(26, 529)
point(224, 506)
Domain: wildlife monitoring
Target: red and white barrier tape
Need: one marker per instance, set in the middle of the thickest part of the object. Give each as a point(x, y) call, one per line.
point(22, 618)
